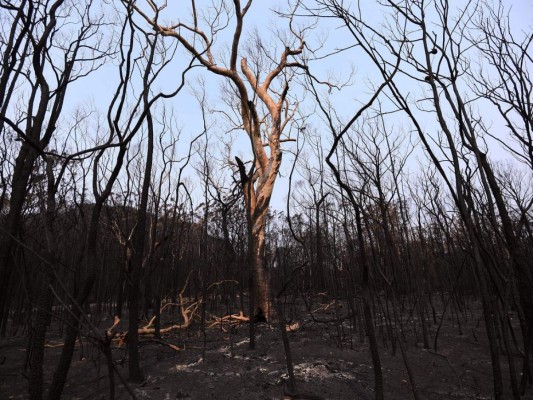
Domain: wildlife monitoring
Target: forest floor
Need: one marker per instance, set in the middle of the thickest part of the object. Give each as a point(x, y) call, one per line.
point(329, 361)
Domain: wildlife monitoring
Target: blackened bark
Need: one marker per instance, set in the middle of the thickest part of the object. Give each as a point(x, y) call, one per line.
point(69, 343)
point(38, 337)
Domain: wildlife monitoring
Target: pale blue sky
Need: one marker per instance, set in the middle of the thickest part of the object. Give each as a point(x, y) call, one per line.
point(98, 89)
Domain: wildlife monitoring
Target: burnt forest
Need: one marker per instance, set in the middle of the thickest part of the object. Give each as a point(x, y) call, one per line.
point(266, 199)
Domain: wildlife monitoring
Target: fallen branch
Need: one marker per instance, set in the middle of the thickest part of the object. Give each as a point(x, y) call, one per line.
point(111, 332)
point(53, 346)
point(233, 318)
point(188, 313)
point(325, 307)
point(292, 327)
point(240, 318)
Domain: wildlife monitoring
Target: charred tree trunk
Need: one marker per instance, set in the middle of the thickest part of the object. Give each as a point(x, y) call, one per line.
point(139, 238)
point(38, 335)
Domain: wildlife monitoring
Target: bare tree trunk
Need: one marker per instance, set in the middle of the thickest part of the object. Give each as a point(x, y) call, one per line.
point(261, 274)
point(257, 184)
point(38, 337)
point(69, 343)
point(139, 238)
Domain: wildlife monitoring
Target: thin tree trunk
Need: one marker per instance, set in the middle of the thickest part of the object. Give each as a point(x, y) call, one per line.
point(38, 337)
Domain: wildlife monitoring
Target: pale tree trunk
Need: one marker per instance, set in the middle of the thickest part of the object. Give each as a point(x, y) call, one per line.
point(260, 272)
point(263, 131)
point(257, 201)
